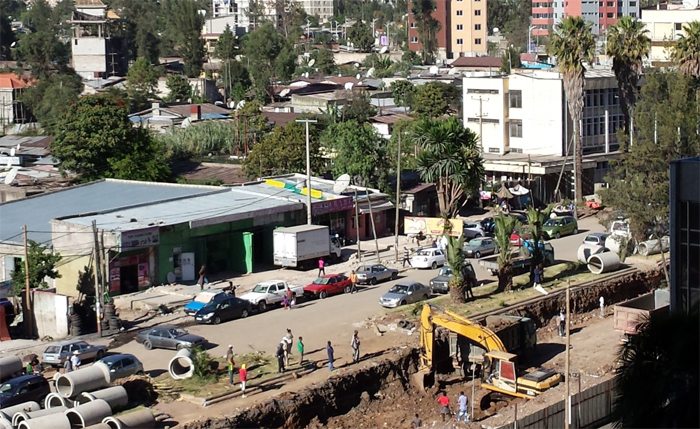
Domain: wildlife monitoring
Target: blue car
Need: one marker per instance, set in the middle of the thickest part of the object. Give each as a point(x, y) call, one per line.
point(203, 299)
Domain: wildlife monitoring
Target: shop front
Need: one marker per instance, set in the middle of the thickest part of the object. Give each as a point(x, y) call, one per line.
point(132, 268)
point(333, 213)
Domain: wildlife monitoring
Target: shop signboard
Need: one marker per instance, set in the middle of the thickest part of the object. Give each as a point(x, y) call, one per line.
point(431, 226)
point(331, 206)
point(140, 238)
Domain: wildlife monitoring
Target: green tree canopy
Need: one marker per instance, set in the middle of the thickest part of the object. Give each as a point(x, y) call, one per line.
point(434, 99)
point(324, 60)
point(504, 228)
point(450, 158)
point(141, 82)
point(227, 46)
point(360, 35)
point(41, 47)
point(142, 24)
point(283, 151)
point(427, 27)
point(270, 56)
point(52, 98)
point(403, 92)
point(184, 27)
point(7, 36)
point(235, 80)
point(42, 264)
point(686, 51)
point(179, 86)
point(359, 109)
point(95, 139)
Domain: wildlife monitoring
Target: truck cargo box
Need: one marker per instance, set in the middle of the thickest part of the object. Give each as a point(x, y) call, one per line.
point(629, 314)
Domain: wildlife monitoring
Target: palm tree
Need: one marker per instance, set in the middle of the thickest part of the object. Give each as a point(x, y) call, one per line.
point(536, 218)
point(449, 158)
point(658, 374)
point(505, 225)
point(427, 26)
point(456, 259)
point(572, 44)
point(627, 44)
point(686, 51)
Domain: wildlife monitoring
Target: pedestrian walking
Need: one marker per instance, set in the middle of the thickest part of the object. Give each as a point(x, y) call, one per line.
point(285, 302)
point(75, 360)
point(280, 357)
point(406, 257)
point(67, 366)
point(601, 300)
point(321, 267)
point(290, 297)
point(444, 403)
point(300, 349)
point(353, 281)
point(202, 277)
point(243, 377)
point(230, 364)
point(287, 342)
point(232, 289)
point(537, 276)
point(562, 323)
point(416, 422)
point(462, 401)
point(355, 344)
point(329, 351)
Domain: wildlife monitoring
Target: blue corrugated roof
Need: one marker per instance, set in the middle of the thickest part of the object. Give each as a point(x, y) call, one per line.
point(37, 212)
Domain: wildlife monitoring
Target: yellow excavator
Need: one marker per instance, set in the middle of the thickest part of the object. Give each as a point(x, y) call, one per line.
point(498, 372)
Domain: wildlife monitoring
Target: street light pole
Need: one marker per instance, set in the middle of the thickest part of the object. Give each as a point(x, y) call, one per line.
point(308, 168)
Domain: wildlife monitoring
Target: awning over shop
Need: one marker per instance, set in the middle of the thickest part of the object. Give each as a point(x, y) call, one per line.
point(377, 206)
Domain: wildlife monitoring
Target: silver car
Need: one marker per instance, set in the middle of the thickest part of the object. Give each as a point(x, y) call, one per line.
point(169, 337)
point(478, 247)
point(375, 273)
point(57, 354)
point(123, 365)
point(405, 293)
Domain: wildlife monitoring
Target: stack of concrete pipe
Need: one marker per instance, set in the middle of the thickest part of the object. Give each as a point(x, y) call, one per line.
point(181, 366)
point(72, 384)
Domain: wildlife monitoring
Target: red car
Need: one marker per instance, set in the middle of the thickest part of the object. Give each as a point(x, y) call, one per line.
point(329, 284)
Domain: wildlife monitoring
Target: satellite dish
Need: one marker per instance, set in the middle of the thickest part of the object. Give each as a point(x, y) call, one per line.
point(384, 49)
point(496, 30)
point(357, 65)
point(370, 72)
point(341, 183)
point(13, 44)
point(348, 85)
point(358, 76)
point(284, 92)
point(231, 104)
point(434, 70)
point(10, 177)
point(312, 62)
point(12, 151)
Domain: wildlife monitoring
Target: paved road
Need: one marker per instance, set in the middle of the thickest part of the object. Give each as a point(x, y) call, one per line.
point(319, 320)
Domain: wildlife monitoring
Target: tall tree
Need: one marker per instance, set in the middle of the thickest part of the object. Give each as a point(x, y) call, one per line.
point(360, 35)
point(235, 80)
point(184, 27)
point(41, 46)
point(324, 60)
point(658, 381)
point(358, 109)
point(141, 25)
point(179, 86)
point(227, 45)
point(270, 58)
point(141, 81)
point(686, 51)
point(42, 265)
point(435, 99)
point(456, 259)
point(572, 44)
point(403, 92)
point(628, 44)
point(96, 140)
point(427, 27)
point(536, 219)
point(449, 158)
point(52, 98)
point(7, 36)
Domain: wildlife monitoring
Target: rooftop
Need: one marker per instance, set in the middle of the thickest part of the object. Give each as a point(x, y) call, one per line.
point(12, 81)
point(477, 62)
point(108, 194)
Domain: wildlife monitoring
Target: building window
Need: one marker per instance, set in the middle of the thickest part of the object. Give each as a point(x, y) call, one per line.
point(516, 128)
point(414, 39)
point(460, 41)
point(679, 26)
point(413, 25)
point(516, 150)
point(611, 15)
point(516, 98)
point(633, 14)
point(460, 27)
point(633, 4)
point(477, 41)
point(481, 91)
point(477, 27)
point(611, 4)
point(460, 12)
point(477, 12)
point(494, 150)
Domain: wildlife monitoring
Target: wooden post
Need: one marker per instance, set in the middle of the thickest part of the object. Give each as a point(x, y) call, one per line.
point(28, 313)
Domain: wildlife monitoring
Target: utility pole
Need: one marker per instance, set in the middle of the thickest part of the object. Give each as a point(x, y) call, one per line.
point(567, 402)
point(96, 254)
point(371, 218)
point(357, 227)
point(308, 168)
point(481, 138)
point(398, 199)
point(29, 314)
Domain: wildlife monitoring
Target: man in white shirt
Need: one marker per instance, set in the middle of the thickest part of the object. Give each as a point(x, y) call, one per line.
point(75, 360)
point(462, 401)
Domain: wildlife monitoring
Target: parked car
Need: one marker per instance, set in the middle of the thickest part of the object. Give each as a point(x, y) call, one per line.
point(472, 230)
point(56, 355)
point(169, 337)
point(330, 284)
point(221, 311)
point(375, 273)
point(488, 225)
point(430, 257)
point(441, 282)
point(22, 389)
point(204, 298)
point(405, 293)
point(477, 247)
point(597, 238)
point(559, 226)
point(123, 365)
point(268, 293)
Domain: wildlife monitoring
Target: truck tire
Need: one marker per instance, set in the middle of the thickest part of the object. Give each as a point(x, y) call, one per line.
point(403, 302)
point(262, 306)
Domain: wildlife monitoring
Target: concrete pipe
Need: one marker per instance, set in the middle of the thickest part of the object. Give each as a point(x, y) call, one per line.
point(603, 262)
point(55, 400)
point(10, 366)
point(142, 419)
point(72, 384)
point(586, 250)
point(98, 426)
point(115, 396)
point(9, 412)
point(52, 421)
point(652, 247)
point(88, 414)
point(181, 366)
point(5, 424)
point(24, 415)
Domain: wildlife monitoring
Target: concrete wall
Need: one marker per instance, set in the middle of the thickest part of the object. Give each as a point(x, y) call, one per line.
point(662, 26)
point(50, 314)
point(492, 91)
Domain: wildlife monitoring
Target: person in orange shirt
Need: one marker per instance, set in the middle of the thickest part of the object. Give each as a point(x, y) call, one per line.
point(353, 281)
point(444, 402)
point(243, 377)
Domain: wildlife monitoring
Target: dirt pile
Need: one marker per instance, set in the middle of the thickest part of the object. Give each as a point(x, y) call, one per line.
point(337, 396)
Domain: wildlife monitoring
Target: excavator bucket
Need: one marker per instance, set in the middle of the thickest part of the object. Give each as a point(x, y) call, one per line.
point(423, 379)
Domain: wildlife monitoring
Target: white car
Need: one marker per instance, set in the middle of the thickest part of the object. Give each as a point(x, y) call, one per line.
point(428, 258)
point(268, 293)
point(472, 230)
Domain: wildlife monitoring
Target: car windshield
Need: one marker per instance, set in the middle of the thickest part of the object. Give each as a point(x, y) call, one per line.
point(262, 288)
point(5, 388)
point(53, 349)
point(475, 242)
point(445, 271)
point(553, 222)
point(399, 289)
point(321, 281)
point(592, 238)
point(177, 332)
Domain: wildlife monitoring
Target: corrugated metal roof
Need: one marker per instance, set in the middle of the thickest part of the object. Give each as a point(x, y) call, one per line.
point(37, 212)
point(12, 81)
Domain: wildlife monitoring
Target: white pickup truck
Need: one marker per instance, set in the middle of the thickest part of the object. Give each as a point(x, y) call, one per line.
point(270, 293)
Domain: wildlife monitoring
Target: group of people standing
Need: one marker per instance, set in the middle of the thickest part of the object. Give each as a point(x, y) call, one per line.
point(284, 350)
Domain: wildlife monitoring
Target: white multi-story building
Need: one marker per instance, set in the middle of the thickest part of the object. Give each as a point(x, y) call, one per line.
point(525, 127)
point(321, 8)
point(665, 26)
point(89, 42)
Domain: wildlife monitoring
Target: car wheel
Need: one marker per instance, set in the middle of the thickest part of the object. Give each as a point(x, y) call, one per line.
point(244, 313)
point(403, 302)
point(394, 276)
point(557, 235)
point(477, 254)
point(575, 231)
point(100, 355)
point(373, 281)
point(262, 306)
point(216, 320)
point(323, 294)
point(347, 289)
point(434, 265)
point(147, 344)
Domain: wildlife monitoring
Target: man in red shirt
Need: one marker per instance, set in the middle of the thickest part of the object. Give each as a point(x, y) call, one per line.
point(243, 377)
point(444, 402)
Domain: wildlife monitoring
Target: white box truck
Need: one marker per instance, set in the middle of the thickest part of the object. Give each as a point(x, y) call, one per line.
point(301, 245)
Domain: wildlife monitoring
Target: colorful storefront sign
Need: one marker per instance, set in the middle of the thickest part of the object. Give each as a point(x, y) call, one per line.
point(431, 226)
